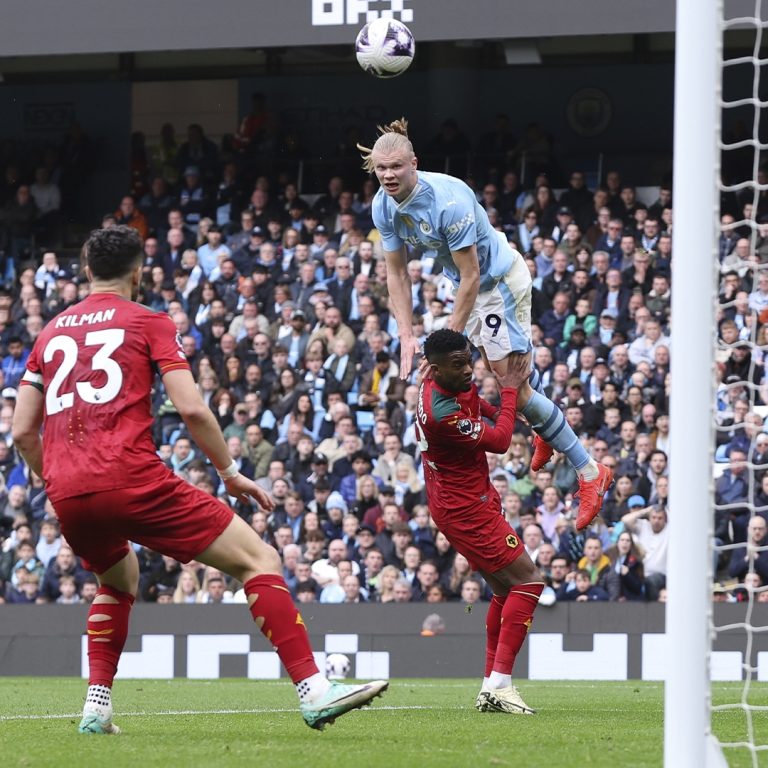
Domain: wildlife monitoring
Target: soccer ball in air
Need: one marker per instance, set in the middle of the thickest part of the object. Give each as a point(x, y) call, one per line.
point(385, 47)
point(337, 666)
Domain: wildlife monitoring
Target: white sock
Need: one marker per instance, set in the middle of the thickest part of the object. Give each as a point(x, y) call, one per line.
point(312, 687)
point(98, 701)
point(589, 470)
point(484, 686)
point(497, 680)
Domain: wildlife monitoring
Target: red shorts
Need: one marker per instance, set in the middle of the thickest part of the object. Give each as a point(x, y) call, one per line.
point(482, 535)
point(171, 517)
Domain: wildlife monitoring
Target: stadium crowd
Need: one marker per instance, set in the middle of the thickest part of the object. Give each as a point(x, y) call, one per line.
point(281, 308)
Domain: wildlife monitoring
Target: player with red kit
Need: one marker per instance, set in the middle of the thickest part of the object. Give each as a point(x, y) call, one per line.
point(88, 383)
point(453, 438)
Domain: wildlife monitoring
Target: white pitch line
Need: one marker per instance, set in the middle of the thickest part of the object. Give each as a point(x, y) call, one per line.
point(286, 710)
point(580, 685)
point(176, 713)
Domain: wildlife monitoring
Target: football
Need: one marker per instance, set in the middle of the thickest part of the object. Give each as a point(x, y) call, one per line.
point(385, 47)
point(337, 666)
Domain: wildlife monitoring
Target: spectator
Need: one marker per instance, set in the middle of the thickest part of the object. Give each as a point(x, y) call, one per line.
point(214, 590)
point(17, 220)
point(748, 558)
point(49, 543)
point(584, 590)
point(452, 577)
point(649, 524)
point(643, 348)
point(68, 591)
point(402, 592)
point(131, 216)
point(599, 567)
point(621, 500)
point(47, 197)
point(387, 462)
point(471, 590)
point(352, 591)
point(326, 570)
point(657, 467)
point(187, 587)
point(25, 589)
point(549, 510)
point(25, 562)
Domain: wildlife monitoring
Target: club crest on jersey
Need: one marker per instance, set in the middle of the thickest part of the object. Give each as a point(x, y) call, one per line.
point(468, 428)
point(425, 227)
point(511, 540)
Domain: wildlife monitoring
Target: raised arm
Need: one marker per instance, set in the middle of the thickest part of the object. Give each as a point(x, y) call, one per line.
point(496, 438)
point(631, 518)
point(487, 410)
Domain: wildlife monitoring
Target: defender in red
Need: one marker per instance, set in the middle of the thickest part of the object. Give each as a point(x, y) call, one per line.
point(88, 383)
point(453, 438)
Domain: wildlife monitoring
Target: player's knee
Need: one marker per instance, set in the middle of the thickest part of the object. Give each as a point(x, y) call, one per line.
point(268, 560)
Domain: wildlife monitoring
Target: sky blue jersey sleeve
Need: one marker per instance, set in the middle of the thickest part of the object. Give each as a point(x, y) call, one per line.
point(458, 219)
point(381, 220)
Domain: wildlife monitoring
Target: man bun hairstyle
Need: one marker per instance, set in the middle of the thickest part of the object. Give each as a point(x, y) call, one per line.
point(112, 253)
point(444, 341)
point(392, 138)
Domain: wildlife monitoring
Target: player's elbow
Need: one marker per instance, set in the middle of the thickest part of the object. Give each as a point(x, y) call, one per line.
point(497, 444)
point(24, 429)
point(24, 436)
point(194, 412)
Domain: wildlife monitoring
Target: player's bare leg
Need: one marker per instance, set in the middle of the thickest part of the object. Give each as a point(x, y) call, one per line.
point(516, 589)
point(240, 552)
point(107, 632)
point(554, 433)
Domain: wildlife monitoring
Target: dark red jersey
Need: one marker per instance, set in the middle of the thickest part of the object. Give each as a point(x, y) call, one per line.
point(453, 439)
point(95, 364)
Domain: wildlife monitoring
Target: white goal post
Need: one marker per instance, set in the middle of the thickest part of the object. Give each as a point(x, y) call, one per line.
point(688, 742)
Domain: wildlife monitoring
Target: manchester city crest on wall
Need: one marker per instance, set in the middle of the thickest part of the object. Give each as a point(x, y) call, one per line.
point(589, 111)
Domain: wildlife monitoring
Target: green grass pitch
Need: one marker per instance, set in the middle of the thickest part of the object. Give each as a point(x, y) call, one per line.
point(420, 723)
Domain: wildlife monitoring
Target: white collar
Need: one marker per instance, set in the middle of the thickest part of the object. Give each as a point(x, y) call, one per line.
point(410, 197)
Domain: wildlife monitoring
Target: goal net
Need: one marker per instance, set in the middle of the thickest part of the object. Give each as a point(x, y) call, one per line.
point(719, 390)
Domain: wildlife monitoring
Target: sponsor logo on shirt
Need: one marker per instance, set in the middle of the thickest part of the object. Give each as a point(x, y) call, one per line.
point(417, 242)
point(462, 223)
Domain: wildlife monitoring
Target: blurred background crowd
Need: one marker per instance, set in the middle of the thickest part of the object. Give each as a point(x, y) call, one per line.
point(280, 301)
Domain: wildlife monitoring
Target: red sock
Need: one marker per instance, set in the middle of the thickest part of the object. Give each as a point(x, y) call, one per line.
point(276, 616)
point(516, 619)
point(492, 629)
point(106, 637)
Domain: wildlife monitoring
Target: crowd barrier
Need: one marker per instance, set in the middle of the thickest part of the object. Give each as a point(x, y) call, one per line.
point(567, 642)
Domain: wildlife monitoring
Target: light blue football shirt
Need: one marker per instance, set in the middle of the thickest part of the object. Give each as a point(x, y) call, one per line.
point(442, 214)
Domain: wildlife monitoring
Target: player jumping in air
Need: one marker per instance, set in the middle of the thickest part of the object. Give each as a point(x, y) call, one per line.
point(453, 439)
point(88, 383)
point(432, 211)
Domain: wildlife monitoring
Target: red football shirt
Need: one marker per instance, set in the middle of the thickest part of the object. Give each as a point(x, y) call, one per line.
point(453, 439)
point(96, 363)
